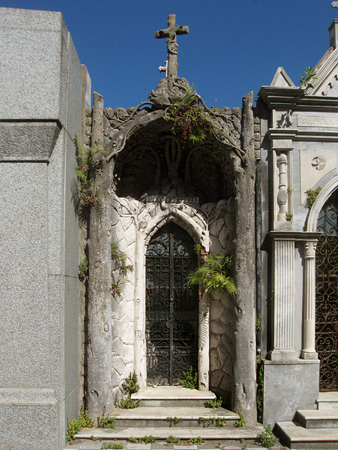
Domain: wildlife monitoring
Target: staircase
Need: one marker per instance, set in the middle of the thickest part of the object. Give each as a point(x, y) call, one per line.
point(313, 428)
point(177, 412)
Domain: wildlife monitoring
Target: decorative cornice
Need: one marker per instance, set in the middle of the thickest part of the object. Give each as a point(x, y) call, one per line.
point(302, 135)
point(282, 98)
point(294, 235)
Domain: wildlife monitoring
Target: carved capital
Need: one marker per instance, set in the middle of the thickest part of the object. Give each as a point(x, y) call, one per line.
point(310, 249)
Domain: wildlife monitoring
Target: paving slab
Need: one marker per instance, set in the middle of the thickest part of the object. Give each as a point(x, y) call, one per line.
point(172, 393)
point(162, 413)
point(164, 432)
point(175, 396)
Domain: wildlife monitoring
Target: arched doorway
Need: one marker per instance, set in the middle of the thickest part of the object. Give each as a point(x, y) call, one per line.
point(171, 306)
point(326, 294)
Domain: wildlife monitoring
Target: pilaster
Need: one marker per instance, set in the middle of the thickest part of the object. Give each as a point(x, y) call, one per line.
point(283, 315)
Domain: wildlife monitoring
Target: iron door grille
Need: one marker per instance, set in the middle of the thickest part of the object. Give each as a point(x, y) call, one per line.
point(171, 306)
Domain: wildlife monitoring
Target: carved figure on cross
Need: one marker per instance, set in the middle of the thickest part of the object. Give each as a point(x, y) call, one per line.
point(171, 32)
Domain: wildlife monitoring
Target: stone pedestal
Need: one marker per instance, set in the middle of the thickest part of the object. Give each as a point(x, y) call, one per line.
point(288, 387)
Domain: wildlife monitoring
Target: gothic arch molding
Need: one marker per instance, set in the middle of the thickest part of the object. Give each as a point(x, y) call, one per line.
point(193, 222)
point(198, 232)
point(323, 196)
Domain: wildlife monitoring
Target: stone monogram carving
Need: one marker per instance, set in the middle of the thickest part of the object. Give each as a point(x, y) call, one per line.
point(319, 162)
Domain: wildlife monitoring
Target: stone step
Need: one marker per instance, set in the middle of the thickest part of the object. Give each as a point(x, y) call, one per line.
point(327, 400)
point(324, 418)
point(172, 396)
point(293, 435)
point(150, 416)
point(161, 434)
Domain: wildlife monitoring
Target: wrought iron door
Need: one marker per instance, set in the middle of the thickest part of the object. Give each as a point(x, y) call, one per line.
point(326, 296)
point(171, 306)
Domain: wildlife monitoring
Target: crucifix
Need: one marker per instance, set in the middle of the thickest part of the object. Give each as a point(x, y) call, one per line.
point(171, 32)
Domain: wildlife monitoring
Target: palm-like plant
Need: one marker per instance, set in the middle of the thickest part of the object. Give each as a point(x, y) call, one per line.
point(215, 273)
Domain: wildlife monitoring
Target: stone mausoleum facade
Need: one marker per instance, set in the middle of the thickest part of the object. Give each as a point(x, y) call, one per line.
point(261, 185)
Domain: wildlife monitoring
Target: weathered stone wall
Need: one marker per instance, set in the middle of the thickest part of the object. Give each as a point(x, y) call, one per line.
point(221, 235)
point(124, 236)
point(131, 221)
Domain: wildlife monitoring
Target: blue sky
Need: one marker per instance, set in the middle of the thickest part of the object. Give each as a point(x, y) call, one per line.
point(234, 46)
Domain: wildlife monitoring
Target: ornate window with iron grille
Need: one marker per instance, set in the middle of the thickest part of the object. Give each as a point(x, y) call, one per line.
point(326, 294)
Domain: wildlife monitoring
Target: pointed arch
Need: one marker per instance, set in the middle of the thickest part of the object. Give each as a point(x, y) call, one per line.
point(196, 230)
point(322, 198)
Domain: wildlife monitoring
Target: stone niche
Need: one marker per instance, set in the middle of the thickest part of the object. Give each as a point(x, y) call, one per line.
point(157, 180)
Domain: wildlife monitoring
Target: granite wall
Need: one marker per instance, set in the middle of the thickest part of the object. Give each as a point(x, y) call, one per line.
point(41, 97)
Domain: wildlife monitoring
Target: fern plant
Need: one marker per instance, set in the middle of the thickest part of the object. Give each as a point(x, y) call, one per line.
point(215, 273)
point(190, 121)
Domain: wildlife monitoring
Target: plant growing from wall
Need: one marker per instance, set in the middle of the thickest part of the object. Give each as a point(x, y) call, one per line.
point(307, 77)
point(130, 386)
point(190, 379)
point(172, 440)
point(111, 445)
point(312, 196)
point(142, 440)
point(83, 268)
point(208, 421)
point(266, 438)
point(121, 268)
point(105, 421)
point(173, 421)
point(190, 121)
point(215, 273)
point(75, 425)
point(241, 421)
point(197, 441)
point(88, 165)
point(216, 403)
point(288, 217)
point(260, 390)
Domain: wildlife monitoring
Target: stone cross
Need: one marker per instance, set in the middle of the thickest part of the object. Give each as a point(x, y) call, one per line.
point(171, 32)
point(334, 4)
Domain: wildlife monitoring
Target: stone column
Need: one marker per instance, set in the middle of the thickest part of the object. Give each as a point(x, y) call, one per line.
point(203, 343)
point(309, 302)
point(283, 314)
point(244, 390)
point(99, 351)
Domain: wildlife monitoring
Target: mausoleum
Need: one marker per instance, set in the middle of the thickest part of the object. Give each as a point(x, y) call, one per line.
point(158, 195)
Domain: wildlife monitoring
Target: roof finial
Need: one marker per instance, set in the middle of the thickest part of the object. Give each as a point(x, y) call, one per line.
point(334, 4)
